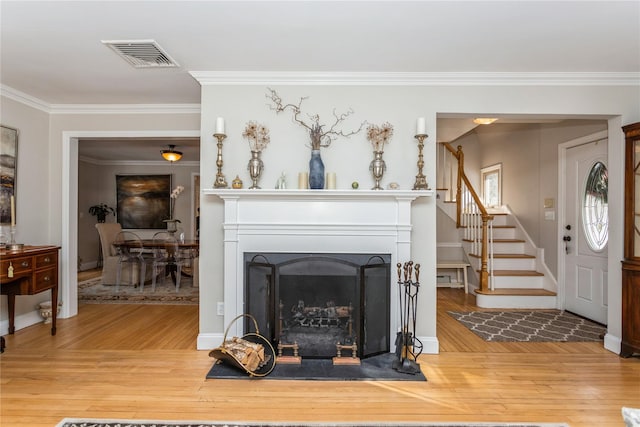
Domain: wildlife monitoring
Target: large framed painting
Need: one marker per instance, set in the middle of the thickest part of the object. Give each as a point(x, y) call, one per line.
point(143, 201)
point(8, 171)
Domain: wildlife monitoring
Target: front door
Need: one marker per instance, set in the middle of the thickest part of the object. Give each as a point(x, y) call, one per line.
point(586, 231)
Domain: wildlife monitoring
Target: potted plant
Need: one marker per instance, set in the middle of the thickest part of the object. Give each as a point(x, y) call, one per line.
point(101, 211)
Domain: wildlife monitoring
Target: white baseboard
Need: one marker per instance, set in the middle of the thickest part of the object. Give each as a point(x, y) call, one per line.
point(612, 343)
point(21, 321)
point(88, 265)
point(430, 345)
point(209, 341)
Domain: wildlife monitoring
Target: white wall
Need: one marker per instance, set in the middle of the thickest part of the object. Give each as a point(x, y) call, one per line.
point(349, 158)
point(32, 196)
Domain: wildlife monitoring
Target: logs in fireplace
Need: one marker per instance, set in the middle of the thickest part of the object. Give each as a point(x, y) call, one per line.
point(321, 302)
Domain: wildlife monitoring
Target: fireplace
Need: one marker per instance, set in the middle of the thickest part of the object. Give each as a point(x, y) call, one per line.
point(348, 224)
point(319, 300)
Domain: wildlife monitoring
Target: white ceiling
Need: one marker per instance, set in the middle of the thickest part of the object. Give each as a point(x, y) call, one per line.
point(52, 50)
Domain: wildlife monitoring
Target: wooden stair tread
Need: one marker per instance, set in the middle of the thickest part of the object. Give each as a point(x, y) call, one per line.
point(518, 273)
point(495, 226)
point(500, 240)
point(518, 292)
point(515, 256)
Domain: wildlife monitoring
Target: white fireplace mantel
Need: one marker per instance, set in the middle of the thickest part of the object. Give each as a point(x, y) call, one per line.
point(312, 221)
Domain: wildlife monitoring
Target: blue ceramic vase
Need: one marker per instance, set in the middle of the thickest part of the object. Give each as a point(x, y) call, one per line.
point(316, 171)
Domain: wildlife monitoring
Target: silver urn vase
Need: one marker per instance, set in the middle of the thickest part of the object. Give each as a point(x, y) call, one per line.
point(377, 168)
point(255, 169)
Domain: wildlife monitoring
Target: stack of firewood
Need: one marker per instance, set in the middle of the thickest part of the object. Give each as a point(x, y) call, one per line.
point(250, 354)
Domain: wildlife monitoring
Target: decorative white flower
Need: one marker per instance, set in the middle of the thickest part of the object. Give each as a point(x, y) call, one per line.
point(176, 191)
point(174, 195)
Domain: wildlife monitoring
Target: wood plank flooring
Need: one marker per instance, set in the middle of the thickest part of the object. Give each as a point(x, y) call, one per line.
point(139, 361)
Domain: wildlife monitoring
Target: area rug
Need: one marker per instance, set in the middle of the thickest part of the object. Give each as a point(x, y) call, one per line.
point(530, 326)
point(376, 368)
point(93, 291)
point(88, 422)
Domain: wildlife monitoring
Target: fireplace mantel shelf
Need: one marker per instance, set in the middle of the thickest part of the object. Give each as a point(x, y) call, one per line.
point(225, 193)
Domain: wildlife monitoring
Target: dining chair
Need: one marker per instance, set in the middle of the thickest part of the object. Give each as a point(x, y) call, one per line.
point(130, 252)
point(167, 258)
point(108, 232)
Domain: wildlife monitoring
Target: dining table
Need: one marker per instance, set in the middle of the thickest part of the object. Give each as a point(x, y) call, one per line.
point(192, 247)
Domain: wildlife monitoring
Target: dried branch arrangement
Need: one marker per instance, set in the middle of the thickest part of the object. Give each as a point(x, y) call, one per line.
point(379, 135)
point(258, 136)
point(320, 136)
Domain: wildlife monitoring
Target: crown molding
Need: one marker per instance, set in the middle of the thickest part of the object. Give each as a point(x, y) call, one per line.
point(416, 79)
point(125, 108)
point(41, 105)
point(23, 98)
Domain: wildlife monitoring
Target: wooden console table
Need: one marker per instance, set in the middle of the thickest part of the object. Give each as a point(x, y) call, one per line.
point(32, 270)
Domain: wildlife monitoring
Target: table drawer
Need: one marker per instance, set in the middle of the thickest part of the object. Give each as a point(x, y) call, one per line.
point(46, 260)
point(20, 265)
point(45, 279)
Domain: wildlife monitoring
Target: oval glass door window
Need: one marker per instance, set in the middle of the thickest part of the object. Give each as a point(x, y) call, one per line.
point(595, 207)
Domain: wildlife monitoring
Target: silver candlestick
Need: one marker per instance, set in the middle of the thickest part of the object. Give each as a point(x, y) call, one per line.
point(220, 181)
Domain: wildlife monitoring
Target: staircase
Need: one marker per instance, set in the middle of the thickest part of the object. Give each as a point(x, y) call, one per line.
point(515, 273)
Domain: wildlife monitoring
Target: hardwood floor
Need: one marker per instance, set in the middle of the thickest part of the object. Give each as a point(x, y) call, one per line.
point(139, 361)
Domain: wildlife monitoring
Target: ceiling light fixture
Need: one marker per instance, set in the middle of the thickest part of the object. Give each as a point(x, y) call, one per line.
point(484, 120)
point(171, 155)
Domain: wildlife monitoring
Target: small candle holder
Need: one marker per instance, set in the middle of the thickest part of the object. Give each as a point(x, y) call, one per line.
point(220, 181)
point(421, 180)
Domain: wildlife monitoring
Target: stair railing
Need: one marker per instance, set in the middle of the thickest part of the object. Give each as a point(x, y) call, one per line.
point(477, 222)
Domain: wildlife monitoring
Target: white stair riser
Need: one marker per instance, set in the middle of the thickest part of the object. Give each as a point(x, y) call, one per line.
point(501, 248)
point(515, 301)
point(508, 263)
point(502, 233)
point(514, 264)
point(520, 282)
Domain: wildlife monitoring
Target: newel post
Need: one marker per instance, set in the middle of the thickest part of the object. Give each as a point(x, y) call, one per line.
point(484, 256)
point(460, 156)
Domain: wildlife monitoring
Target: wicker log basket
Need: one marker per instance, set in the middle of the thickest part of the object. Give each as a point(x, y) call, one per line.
point(251, 353)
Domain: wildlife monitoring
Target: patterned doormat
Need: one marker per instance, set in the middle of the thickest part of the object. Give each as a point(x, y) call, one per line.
point(530, 326)
point(93, 291)
point(88, 422)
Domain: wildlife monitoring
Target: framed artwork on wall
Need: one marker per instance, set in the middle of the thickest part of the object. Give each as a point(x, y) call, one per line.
point(143, 201)
point(8, 171)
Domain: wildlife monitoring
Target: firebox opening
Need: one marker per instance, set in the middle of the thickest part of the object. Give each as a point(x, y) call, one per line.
point(320, 300)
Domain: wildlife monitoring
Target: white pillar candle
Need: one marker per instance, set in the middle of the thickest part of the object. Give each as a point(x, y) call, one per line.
point(421, 127)
point(331, 181)
point(13, 211)
point(303, 180)
point(220, 125)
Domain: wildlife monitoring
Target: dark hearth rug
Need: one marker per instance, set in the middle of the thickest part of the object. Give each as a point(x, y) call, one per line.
point(376, 368)
point(530, 326)
point(89, 422)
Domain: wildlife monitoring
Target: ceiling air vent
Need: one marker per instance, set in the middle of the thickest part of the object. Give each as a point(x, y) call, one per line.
point(141, 53)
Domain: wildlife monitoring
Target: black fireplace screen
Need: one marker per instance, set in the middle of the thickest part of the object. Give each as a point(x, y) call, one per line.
point(320, 300)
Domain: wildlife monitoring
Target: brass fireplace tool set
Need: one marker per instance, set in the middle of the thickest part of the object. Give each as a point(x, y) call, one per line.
point(408, 346)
